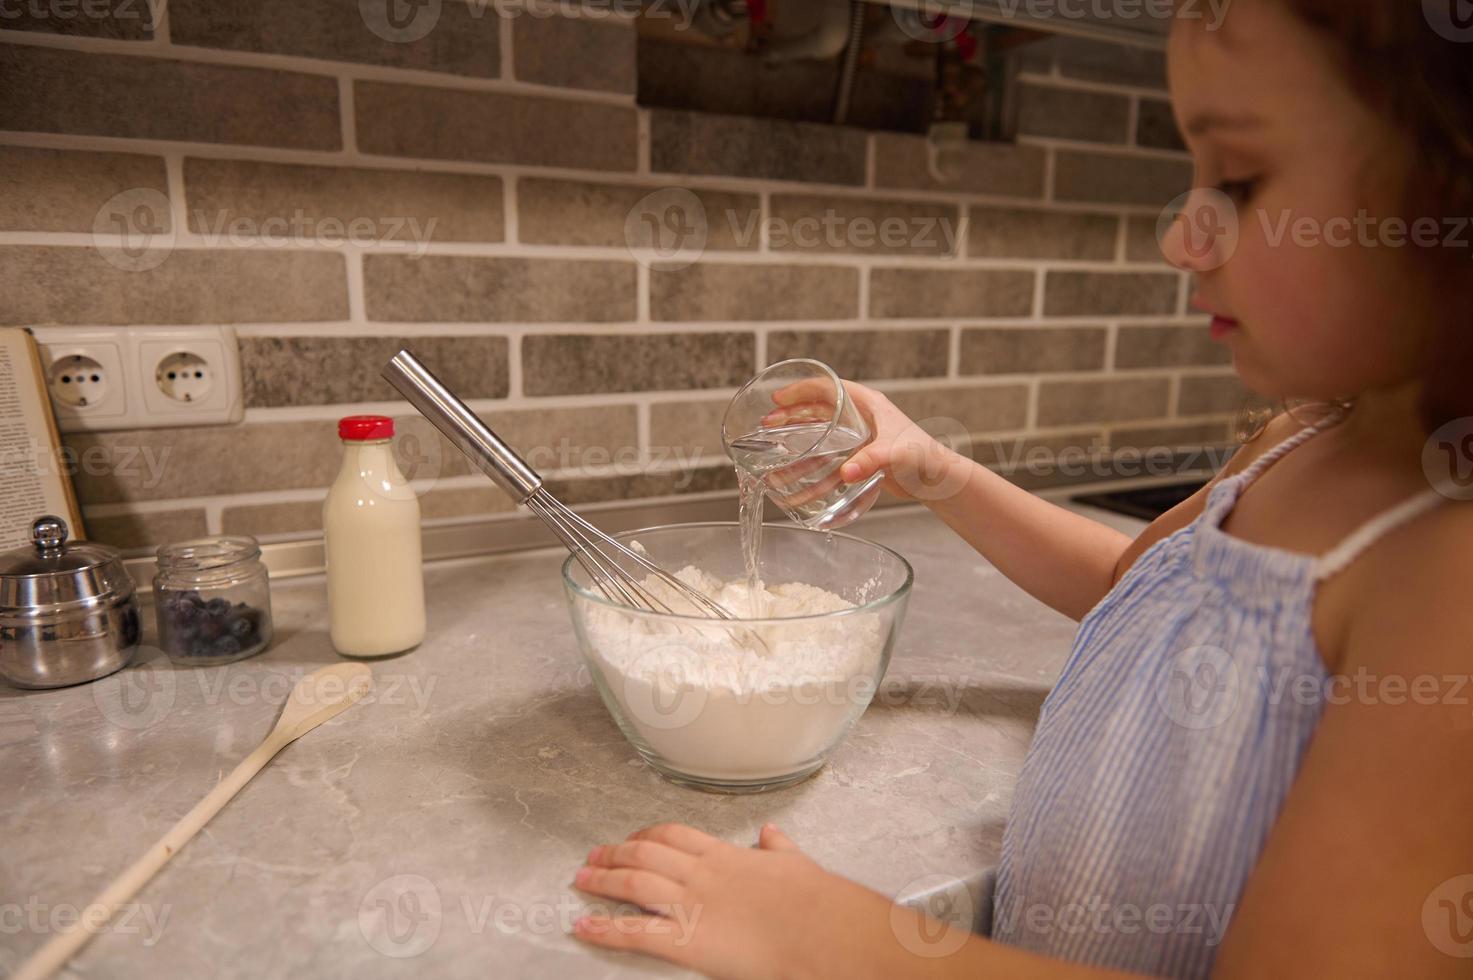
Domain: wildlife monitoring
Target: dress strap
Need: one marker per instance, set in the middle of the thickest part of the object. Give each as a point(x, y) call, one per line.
point(1339, 557)
point(1256, 468)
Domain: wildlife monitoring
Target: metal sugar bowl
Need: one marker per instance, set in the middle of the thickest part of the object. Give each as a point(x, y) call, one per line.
point(68, 612)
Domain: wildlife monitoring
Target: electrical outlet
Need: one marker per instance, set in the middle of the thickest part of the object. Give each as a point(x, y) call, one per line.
point(141, 377)
point(85, 377)
point(191, 375)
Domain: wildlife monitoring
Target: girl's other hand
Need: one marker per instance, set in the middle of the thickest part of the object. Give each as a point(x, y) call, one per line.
point(724, 910)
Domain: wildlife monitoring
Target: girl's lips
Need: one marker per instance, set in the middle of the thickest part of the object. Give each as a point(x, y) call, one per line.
point(1222, 326)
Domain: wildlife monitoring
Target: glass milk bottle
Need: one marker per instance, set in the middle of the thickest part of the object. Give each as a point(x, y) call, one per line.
point(375, 576)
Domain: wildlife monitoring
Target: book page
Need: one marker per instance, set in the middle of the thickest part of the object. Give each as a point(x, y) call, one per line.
point(32, 479)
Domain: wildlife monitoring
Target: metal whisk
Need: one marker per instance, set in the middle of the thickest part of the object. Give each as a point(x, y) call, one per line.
point(604, 558)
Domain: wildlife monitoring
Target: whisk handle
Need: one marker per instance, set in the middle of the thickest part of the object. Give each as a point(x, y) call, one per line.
point(461, 426)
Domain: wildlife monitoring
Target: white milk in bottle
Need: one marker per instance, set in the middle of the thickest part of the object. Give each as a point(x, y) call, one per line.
point(375, 577)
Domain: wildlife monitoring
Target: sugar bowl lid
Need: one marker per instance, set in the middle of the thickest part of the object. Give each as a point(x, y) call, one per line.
point(52, 571)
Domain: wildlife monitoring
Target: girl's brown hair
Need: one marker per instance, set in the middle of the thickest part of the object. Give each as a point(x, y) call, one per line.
point(1404, 67)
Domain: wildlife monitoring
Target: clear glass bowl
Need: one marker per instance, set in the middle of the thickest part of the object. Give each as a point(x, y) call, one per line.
point(703, 701)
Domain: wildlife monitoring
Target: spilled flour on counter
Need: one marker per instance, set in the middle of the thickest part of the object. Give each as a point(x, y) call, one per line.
point(709, 700)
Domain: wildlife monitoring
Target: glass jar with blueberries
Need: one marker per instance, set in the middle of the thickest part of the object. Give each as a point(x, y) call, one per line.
point(212, 600)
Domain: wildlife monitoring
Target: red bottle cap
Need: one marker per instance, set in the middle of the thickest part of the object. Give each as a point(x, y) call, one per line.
point(365, 428)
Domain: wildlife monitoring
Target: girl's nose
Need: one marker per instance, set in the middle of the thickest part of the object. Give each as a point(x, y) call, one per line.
point(1203, 234)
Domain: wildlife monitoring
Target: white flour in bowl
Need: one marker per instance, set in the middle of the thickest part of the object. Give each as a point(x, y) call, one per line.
point(710, 701)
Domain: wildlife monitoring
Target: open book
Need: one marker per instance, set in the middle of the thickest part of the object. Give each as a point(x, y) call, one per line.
point(34, 475)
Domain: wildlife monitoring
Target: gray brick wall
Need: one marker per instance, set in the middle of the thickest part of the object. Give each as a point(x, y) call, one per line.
point(472, 192)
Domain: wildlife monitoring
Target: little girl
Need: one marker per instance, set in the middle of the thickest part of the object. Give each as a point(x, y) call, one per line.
point(1258, 760)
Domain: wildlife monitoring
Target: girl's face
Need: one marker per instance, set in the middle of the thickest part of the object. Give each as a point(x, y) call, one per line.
point(1316, 300)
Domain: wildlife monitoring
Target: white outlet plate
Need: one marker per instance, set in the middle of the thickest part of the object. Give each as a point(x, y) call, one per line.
point(101, 346)
point(132, 355)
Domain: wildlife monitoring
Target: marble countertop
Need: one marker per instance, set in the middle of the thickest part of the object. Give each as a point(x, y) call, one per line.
point(455, 803)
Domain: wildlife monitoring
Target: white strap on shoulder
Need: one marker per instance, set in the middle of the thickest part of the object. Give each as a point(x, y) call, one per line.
point(1278, 452)
point(1339, 557)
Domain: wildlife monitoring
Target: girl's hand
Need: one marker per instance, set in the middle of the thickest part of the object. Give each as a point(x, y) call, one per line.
point(916, 465)
point(728, 911)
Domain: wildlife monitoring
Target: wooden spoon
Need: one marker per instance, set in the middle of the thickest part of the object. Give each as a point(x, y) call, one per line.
point(317, 697)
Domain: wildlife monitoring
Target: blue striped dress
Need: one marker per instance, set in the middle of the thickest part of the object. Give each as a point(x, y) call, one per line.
point(1166, 749)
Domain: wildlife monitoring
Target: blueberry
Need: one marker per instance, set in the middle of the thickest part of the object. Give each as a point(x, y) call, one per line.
point(217, 607)
point(225, 646)
point(240, 628)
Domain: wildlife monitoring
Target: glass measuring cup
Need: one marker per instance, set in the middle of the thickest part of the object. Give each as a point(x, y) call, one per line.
point(795, 449)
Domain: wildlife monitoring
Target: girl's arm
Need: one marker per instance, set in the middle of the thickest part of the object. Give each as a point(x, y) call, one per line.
point(1369, 868)
point(748, 913)
point(1063, 559)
